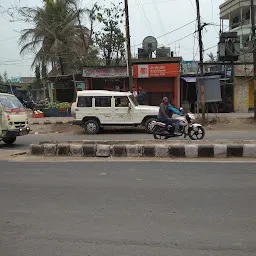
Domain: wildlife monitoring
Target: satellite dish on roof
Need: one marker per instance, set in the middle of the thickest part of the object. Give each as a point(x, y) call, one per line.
point(149, 44)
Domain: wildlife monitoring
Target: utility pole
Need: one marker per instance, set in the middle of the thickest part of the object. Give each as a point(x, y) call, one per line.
point(201, 63)
point(128, 45)
point(254, 53)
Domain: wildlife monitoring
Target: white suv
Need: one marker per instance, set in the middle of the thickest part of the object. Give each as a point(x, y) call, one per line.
point(94, 109)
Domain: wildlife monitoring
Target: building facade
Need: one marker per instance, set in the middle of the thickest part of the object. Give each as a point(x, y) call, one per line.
point(159, 77)
point(238, 14)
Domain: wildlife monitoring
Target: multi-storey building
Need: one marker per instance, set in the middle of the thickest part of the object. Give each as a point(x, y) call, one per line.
point(238, 14)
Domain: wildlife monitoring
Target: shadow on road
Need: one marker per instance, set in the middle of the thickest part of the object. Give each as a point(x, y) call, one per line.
point(15, 146)
point(117, 131)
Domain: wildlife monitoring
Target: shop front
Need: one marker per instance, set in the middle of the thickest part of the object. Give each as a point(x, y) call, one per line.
point(158, 80)
point(106, 78)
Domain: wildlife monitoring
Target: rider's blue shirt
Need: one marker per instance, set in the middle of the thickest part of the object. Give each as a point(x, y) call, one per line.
point(174, 110)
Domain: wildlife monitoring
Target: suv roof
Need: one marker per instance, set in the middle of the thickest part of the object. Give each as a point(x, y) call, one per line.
point(7, 94)
point(102, 93)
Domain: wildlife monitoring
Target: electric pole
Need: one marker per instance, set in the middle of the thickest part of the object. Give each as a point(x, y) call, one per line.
point(201, 63)
point(254, 53)
point(128, 45)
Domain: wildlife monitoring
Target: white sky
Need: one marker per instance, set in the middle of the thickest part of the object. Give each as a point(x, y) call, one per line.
point(147, 17)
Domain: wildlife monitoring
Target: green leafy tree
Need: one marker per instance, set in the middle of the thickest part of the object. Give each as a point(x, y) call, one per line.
point(57, 36)
point(110, 40)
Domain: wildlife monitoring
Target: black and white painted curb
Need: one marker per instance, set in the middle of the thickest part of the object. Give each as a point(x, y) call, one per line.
point(139, 150)
point(50, 122)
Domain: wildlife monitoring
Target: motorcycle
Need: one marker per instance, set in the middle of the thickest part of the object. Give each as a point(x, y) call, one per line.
point(187, 128)
point(29, 104)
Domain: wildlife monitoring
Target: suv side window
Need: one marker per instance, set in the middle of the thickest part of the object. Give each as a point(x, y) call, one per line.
point(103, 102)
point(121, 102)
point(84, 102)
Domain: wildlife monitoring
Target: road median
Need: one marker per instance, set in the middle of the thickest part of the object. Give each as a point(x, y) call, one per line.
point(106, 149)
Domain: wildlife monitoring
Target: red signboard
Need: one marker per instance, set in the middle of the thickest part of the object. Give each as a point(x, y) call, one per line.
point(117, 72)
point(156, 70)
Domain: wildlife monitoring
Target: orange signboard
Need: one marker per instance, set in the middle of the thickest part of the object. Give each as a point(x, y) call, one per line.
point(156, 70)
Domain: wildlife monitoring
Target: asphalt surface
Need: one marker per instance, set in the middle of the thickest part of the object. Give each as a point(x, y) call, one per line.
point(127, 208)
point(23, 142)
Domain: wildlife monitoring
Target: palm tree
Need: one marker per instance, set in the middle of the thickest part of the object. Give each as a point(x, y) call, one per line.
point(56, 36)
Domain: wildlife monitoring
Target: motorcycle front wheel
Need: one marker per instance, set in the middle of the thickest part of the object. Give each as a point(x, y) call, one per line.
point(196, 133)
point(157, 133)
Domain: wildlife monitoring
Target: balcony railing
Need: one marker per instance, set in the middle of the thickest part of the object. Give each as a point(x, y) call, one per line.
point(243, 23)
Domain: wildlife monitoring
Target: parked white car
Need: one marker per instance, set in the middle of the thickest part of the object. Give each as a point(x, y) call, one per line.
point(94, 109)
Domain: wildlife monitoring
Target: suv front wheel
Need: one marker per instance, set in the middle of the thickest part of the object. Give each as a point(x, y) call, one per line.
point(92, 127)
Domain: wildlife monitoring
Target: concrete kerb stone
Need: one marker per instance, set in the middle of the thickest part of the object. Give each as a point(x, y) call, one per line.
point(76, 150)
point(148, 150)
point(133, 150)
point(63, 149)
point(50, 149)
point(161, 151)
point(205, 150)
point(235, 150)
point(191, 151)
point(119, 151)
point(103, 150)
point(36, 150)
point(249, 150)
point(176, 151)
point(140, 150)
point(220, 150)
point(89, 150)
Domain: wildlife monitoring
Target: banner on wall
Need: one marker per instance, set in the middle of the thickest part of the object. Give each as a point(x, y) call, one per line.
point(156, 70)
point(118, 72)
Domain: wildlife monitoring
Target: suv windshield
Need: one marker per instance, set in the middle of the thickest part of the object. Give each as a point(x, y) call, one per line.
point(10, 102)
point(134, 101)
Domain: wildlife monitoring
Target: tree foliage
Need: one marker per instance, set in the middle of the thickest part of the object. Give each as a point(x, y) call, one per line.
point(212, 57)
point(110, 39)
point(57, 35)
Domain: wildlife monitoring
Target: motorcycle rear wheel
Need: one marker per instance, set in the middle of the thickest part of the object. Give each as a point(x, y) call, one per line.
point(157, 133)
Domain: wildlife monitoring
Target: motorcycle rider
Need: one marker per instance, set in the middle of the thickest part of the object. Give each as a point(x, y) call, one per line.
point(165, 113)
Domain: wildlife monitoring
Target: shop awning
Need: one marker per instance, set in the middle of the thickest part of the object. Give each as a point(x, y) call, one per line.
point(189, 79)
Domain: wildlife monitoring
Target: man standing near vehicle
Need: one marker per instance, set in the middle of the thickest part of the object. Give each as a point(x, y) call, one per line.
point(141, 96)
point(165, 115)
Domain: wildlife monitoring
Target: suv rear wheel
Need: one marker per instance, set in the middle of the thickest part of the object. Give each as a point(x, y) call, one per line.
point(92, 127)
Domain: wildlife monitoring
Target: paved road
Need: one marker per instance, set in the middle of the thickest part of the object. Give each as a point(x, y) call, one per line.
point(24, 142)
point(127, 208)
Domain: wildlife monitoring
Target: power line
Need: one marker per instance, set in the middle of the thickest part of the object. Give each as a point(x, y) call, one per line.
point(158, 15)
point(181, 38)
point(193, 5)
point(210, 48)
point(171, 31)
point(144, 16)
